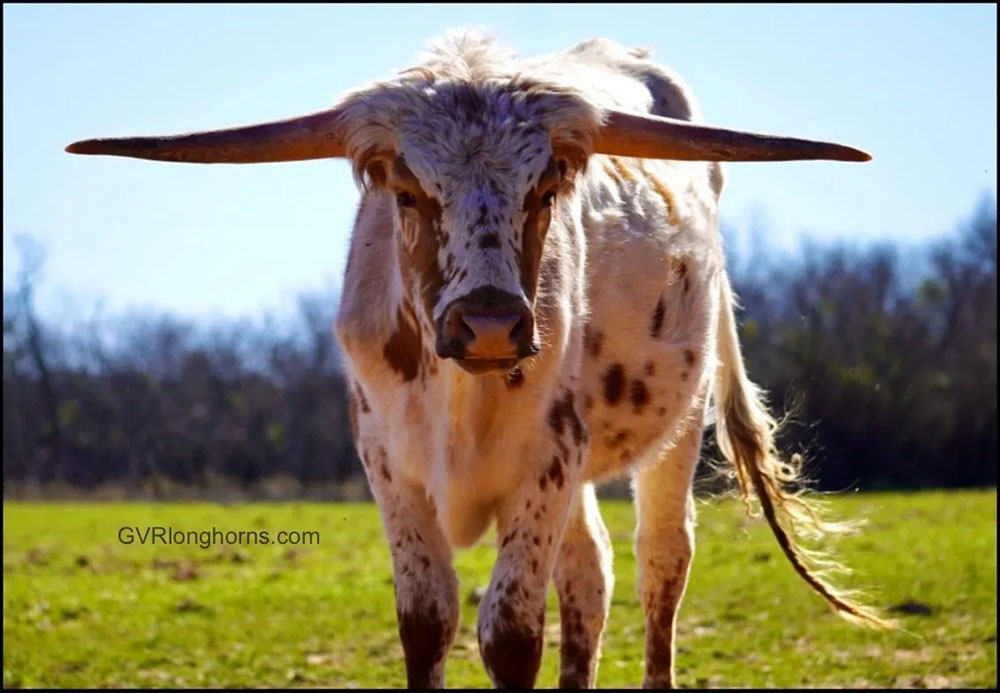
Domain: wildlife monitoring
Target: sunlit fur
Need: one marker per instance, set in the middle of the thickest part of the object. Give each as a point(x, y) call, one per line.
point(634, 314)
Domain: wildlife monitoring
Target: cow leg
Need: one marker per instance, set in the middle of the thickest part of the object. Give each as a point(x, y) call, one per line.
point(425, 582)
point(584, 582)
point(530, 525)
point(664, 546)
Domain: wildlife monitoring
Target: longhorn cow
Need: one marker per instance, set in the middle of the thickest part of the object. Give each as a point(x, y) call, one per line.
point(535, 301)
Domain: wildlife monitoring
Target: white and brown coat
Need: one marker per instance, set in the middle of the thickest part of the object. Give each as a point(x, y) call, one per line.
point(634, 315)
point(480, 173)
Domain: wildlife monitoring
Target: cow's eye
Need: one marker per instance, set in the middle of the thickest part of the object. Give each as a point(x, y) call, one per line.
point(548, 197)
point(405, 199)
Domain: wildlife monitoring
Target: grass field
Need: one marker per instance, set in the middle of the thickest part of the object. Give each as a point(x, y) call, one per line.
point(83, 609)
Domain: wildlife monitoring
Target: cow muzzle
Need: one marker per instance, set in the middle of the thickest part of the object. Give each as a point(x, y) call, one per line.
point(487, 330)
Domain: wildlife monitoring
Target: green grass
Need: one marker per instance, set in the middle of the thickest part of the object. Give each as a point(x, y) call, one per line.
point(81, 609)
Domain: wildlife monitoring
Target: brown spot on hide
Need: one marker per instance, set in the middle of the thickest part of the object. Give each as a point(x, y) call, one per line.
point(514, 378)
point(352, 413)
point(385, 472)
point(639, 395)
point(680, 266)
point(593, 339)
point(489, 240)
point(556, 472)
point(664, 193)
point(467, 101)
point(622, 170)
point(618, 439)
point(425, 638)
point(656, 322)
point(659, 634)
point(682, 269)
point(576, 656)
point(512, 656)
point(562, 412)
point(362, 400)
point(403, 349)
point(689, 357)
point(614, 383)
point(536, 226)
point(563, 450)
point(421, 256)
point(649, 368)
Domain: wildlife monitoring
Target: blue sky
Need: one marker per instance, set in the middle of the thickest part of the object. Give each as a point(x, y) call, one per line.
point(913, 85)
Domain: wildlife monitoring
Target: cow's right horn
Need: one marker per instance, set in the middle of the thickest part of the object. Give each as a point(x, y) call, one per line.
point(314, 136)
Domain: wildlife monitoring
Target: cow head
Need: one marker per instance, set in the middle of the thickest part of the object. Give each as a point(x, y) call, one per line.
point(477, 173)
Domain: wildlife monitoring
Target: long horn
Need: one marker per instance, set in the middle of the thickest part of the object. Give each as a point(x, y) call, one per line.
point(655, 137)
point(314, 136)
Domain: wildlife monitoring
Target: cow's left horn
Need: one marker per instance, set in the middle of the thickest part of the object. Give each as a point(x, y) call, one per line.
point(654, 137)
point(314, 136)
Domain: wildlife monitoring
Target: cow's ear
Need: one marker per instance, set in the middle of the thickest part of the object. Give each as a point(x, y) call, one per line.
point(376, 173)
point(570, 156)
point(371, 169)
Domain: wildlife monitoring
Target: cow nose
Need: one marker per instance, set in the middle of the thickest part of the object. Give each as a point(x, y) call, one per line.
point(489, 325)
point(489, 336)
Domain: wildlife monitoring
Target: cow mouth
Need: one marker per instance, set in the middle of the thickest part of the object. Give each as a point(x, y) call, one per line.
point(483, 366)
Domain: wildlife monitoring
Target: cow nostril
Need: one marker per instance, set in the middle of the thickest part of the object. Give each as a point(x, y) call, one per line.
point(466, 334)
point(517, 329)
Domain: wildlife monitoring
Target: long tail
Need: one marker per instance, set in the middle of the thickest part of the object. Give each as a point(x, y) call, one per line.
point(745, 433)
